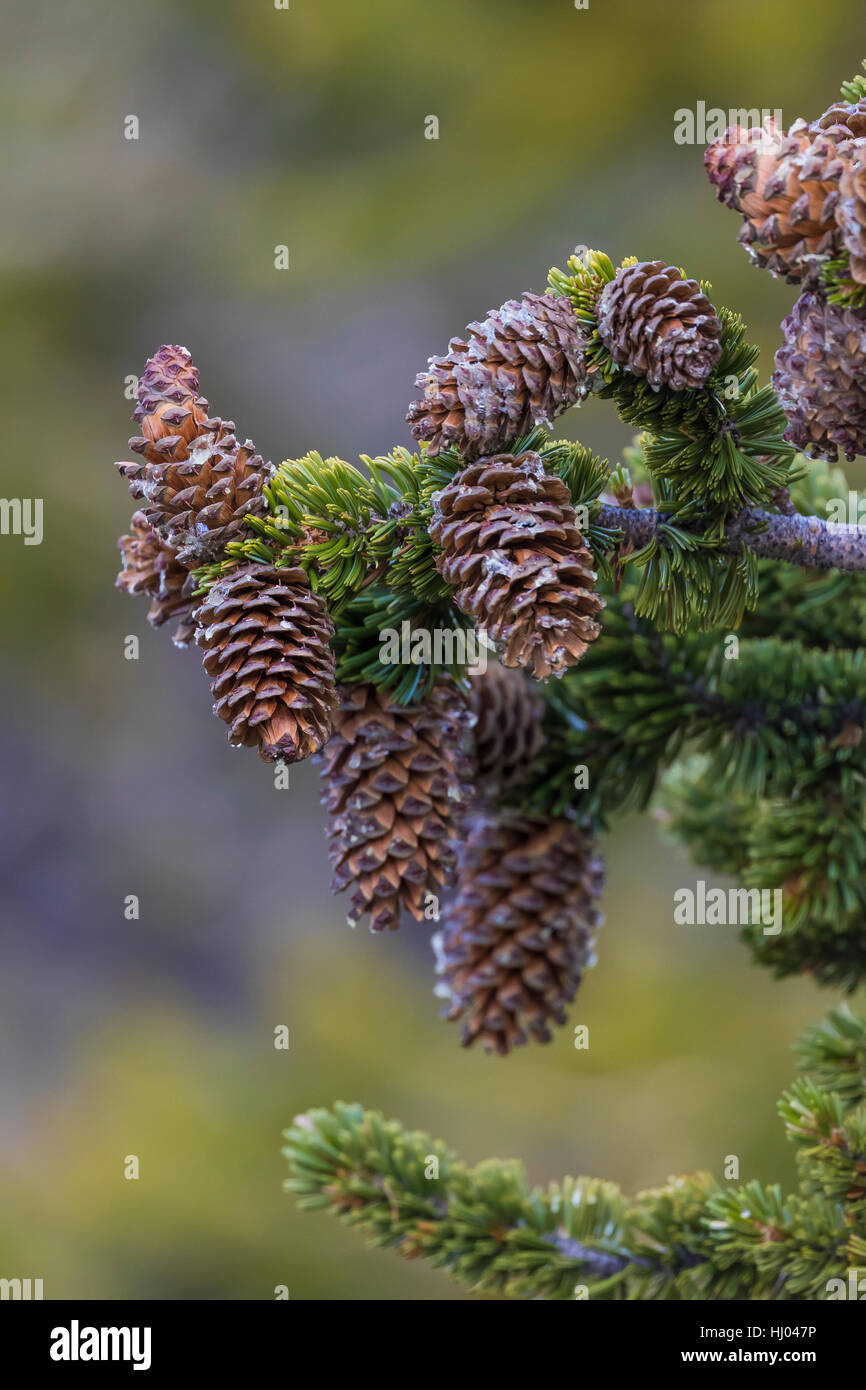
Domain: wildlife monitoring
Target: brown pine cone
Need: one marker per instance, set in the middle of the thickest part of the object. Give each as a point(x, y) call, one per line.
point(508, 733)
point(395, 782)
point(821, 379)
point(511, 546)
point(170, 411)
point(521, 366)
point(786, 187)
point(520, 931)
point(266, 640)
point(201, 502)
point(851, 208)
point(659, 325)
point(843, 121)
point(151, 567)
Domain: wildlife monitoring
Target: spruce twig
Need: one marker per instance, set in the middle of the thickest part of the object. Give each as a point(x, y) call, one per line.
point(583, 1238)
point(810, 541)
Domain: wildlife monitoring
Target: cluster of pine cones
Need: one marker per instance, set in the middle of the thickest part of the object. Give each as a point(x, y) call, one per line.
point(527, 362)
point(265, 634)
point(422, 797)
point(802, 197)
point(413, 792)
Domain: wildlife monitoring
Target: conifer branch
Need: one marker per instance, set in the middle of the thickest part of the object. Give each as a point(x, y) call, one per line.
point(290, 577)
point(583, 1238)
point(809, 541)
point(702, 623)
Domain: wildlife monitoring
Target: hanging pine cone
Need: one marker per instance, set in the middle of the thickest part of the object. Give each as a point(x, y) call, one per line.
point(820, 378)
point(843, 121)
point(508, 732)
point(511, 546)
point(395, 781)
point(851, 209)
point(786, 187)
point(520, 931)
point(201, 502)
point(151, 567)
point(170, 411)
point(659, 325)
point(521, 366)
point(265, 636)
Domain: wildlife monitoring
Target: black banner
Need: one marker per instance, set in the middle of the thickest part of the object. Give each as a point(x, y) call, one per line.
point(151, 1339)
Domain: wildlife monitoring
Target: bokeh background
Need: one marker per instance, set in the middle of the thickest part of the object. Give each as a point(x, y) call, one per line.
point(305, 127)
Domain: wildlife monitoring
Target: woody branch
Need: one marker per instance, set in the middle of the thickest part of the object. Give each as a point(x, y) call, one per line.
point(809, 541)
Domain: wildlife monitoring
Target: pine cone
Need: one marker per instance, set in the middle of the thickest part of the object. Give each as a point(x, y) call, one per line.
point(170, 410)
point(395, 782)
point(508, 728)
point(511, 546)
point(851, 208)
point(520, 931)
point(202, 501)
point(266, 636)
point(786, 187)
point(843, 121)
point(659, 325)
point(521, 366)
point(151, 567)
point(820, 378)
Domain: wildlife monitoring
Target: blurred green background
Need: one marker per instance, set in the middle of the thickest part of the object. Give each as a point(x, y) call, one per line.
point(305, 127)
